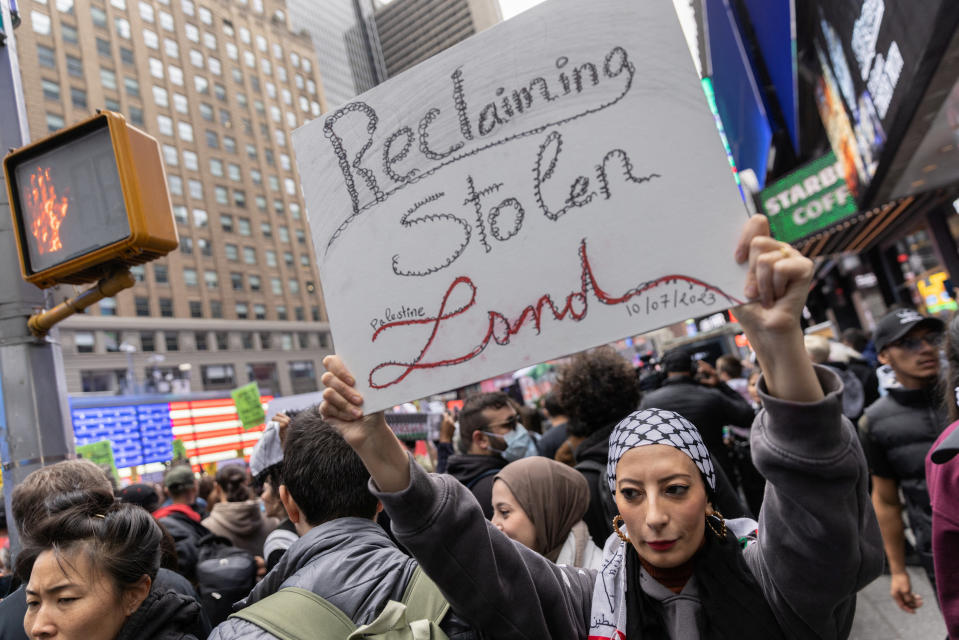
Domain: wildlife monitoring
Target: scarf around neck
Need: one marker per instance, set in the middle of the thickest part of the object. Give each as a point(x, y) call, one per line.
point(743, 600)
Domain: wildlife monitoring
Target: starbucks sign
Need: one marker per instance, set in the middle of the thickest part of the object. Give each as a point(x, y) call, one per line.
point(811, 198)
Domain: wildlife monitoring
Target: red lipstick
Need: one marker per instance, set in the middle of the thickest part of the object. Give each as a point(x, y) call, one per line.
point(661, 545)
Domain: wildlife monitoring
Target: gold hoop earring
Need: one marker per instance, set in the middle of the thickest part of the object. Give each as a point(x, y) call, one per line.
point(617, 520)
point(722, 524)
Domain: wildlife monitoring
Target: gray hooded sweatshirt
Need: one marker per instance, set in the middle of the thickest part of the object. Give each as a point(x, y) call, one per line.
point(818, 540)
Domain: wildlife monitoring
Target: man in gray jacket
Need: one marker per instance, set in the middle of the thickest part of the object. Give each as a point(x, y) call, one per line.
point(342, 555)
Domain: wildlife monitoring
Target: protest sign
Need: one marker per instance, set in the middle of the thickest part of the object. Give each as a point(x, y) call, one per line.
point(551, 184)
point(101, 454)
point(249, 409)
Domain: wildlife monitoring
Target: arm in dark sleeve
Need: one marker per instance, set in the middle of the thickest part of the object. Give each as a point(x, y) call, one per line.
point(737, 411)
point(502, 588)
point(443, 452)
point(819, 541)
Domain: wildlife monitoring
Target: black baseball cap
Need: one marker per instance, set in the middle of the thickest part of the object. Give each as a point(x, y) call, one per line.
point(677, 361)
point(896, 324)
point(947, 449)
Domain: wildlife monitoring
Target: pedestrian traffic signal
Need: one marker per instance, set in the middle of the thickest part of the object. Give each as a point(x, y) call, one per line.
point(87, 200)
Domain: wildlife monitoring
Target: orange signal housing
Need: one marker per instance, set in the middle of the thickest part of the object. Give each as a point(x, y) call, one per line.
point(142, 180)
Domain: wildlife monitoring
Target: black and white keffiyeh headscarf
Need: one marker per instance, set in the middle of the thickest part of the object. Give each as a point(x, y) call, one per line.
point(657, 426)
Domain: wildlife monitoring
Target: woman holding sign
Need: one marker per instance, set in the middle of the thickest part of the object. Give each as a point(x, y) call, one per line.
point(675, 568)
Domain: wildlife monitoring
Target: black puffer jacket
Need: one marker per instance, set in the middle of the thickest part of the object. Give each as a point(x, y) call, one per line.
point(165, 615)
point(476, 472)
point(897, 432)
point(708, 409)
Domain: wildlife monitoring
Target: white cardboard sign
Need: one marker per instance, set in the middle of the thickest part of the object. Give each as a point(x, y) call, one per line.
point(551, 184)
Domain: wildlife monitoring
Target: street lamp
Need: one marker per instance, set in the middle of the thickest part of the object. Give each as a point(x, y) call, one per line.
point(129, 349)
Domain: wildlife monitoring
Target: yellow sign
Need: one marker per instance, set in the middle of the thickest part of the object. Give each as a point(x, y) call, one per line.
point(934, 294)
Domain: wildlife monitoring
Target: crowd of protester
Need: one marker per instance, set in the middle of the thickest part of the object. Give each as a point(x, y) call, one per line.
point(685, 500)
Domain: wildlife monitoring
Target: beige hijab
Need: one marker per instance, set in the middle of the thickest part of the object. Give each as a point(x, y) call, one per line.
point(553, 495)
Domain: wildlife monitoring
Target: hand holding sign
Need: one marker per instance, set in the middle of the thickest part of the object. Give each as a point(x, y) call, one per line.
point(553, 183)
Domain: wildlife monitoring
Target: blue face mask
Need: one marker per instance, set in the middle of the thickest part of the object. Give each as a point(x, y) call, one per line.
point(519, 444)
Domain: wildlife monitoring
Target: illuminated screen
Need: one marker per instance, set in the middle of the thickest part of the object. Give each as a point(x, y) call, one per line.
point(71, 201)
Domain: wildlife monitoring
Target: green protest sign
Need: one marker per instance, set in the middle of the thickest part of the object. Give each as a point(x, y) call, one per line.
point(101, 454)
point(807, 200)
point(248, 406)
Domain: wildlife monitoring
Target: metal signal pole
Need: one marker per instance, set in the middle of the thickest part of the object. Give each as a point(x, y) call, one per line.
point(35, 427)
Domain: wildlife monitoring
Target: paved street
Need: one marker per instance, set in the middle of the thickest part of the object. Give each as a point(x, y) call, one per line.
point(878, 618)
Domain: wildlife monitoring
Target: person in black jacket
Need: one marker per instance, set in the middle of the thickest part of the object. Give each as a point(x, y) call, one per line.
point(486, 420)
point(89, 567)
point(897, 432)
point(708, 408)
point(180, 519)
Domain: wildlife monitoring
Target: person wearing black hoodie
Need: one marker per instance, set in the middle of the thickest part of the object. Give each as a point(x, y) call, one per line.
point(109, 555)
point(485, 420)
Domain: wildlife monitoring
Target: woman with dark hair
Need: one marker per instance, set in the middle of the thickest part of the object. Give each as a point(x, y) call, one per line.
point(236, 515)
point(942, 480)
point(674, 568)
point(90, 567)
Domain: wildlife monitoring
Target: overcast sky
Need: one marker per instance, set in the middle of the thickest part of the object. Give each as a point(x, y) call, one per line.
point(511, 7)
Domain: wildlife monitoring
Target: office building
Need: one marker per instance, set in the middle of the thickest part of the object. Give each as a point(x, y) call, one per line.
point(221, 84)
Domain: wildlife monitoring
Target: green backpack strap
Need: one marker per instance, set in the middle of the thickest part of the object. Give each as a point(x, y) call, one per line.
point(416, 617)
point(423, 598)
point(298, 614)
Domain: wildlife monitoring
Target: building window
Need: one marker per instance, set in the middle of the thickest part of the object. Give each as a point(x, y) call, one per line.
point(172, 340)
point(236, 280)
point(51, 90)
point(166, 307)
point(108, 78)
point(139, 273)
point(216, 309)
point(108, 307)
point(182, 106)
point(74, 66)
point(165, 125)
point(266, 340)
point(239, 198)
point(212, 281)
point(276, 286)
point(243, 226)
point(246, 338)
point(281, 312)
point(199, 340)
point(270, 257)
point(266, 229)
point(255, 282)
point(142, 305)
point(249, 255)
point(161, 274)
point(123, 27)
point(231, 251)
point(46, 57)
point(218, 376)
point(206, 248)
point(111, 341)
point(222, 340)
point(40, 22)
point(126, 56)
point(132, 86)
point(206, 112)
point(259, 311)
point(186, 246)
point(212, 139)
point(221, 194)
point(136, 115)
point(315, 313)
point(185, 131)
point(189, 277)
point(99, 17)
point(196, 309)
point(242, 310)
point(84, 341)
point(147, 341)
point(299, 314)
point(196, 189)
point(226, 222)
point(180, 212)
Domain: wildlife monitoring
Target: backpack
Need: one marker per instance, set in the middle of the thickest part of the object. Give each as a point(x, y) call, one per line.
point(224, 574)
point(605, 497)
point(297, 614)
